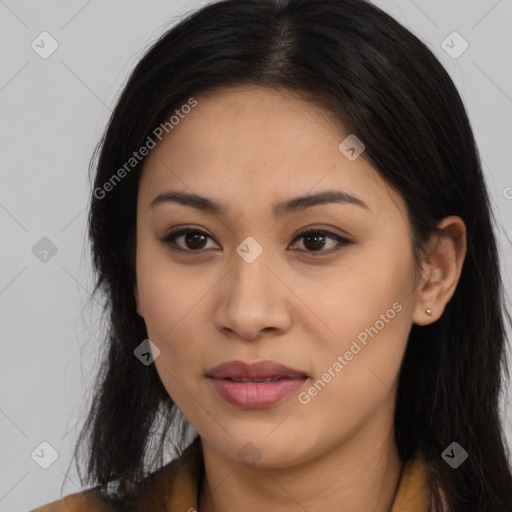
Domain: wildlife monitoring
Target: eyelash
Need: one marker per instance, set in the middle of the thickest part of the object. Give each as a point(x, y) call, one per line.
point(342, 242)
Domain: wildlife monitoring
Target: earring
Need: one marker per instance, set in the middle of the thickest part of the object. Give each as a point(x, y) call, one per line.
point(428, 311)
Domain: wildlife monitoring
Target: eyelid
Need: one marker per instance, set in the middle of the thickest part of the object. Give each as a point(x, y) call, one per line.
point(342, 240)
point(173, 234)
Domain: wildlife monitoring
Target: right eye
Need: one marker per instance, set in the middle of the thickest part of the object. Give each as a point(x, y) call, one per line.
point(193, 238)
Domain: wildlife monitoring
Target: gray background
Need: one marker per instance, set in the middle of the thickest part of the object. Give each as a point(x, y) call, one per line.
point(54, 110)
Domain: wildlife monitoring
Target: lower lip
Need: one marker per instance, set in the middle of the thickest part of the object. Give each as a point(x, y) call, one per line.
point(255, 395)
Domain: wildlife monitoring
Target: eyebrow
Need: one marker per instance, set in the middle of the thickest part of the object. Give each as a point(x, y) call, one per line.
point(280, 209)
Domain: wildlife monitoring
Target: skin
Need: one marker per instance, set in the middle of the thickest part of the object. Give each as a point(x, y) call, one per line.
point(248, 148)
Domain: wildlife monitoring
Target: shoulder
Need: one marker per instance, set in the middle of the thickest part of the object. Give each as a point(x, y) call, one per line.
point(171, 487)
point(85, 501)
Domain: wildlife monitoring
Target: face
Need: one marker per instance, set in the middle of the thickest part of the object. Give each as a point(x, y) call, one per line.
point(246, 284)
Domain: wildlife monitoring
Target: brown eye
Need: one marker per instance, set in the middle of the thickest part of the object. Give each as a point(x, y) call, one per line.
point(193, 240)
point(315, 241)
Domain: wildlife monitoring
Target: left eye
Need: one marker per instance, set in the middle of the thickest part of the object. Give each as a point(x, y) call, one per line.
point(314, 240)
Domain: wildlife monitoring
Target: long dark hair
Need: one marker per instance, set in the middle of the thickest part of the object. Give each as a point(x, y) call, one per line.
point(386, 87)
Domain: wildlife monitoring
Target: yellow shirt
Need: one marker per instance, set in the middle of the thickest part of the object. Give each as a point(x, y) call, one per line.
point(175, 488)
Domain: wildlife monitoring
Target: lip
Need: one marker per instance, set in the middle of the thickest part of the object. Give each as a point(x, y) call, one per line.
point(252, 394)
point(257, 370)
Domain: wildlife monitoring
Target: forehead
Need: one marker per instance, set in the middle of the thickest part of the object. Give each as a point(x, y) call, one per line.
point(262, 145)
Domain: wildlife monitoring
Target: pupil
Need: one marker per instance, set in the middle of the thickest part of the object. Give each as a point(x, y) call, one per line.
point(317, 237)
point(192, 239)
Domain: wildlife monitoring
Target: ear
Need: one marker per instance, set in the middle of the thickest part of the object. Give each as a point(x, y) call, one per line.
point(441, 269)
point(137, 301)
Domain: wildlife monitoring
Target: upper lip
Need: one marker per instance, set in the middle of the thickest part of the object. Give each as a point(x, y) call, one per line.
point(257, 370)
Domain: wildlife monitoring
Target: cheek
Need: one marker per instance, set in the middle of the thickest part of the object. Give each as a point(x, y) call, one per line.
point(368, 285)
point(357, 373)
point(170, 311)
point(163, 291)
point(170, 315)
point(171, 297)
point(368, 307)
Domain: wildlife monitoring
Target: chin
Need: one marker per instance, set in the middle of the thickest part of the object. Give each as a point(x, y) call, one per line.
point(260, 450)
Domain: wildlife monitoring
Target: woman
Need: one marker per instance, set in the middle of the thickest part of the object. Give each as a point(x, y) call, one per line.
point(292, 230)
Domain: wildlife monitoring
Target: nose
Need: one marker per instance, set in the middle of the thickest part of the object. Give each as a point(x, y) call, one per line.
point(253, 301)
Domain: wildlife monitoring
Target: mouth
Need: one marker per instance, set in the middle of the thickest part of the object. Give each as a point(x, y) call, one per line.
point(257, 385)
point(261, 371)
point(268, 379)
point(256, 394)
